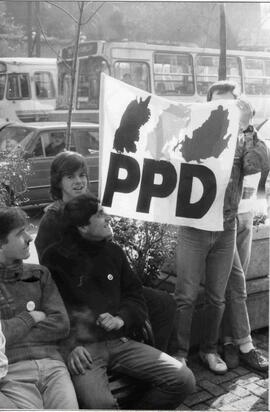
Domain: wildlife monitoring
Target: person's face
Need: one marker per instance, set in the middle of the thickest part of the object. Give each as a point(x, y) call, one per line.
point(73, 185)
point(57, 140)
point(223, 96)
point(99, 227)
point(16, 246)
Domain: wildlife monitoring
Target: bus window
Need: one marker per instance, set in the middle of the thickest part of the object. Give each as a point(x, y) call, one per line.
point(234, 71)
point(257, 76)
point(207, 71)
point(2, 85)
point(134, 73)
point(89, 82)
point(44, 85)
point(18, 86)
point(64, 84)
point(173, 74)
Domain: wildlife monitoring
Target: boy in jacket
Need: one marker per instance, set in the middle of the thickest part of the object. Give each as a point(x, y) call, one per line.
point(34, 320)
point(94, 278)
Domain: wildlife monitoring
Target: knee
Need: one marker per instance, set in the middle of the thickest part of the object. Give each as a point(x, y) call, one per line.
point(186, 381)
point(182, 381)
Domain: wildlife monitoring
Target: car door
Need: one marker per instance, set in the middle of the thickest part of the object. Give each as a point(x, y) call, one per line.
point(86, 142)
point(41, 158)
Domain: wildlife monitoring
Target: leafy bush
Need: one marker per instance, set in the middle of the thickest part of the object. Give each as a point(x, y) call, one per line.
point(259, 219)
point(146, 244)
point(14, 169)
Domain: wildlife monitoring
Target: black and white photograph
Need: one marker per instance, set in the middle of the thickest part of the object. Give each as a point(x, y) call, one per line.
point(134, 205)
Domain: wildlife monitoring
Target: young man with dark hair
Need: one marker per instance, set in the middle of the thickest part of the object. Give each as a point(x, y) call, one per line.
point(94, 277)
point(34, 320)
point(69, 179)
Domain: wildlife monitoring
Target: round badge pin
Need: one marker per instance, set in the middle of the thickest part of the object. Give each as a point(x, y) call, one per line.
point(110, 277)
point(30, 306)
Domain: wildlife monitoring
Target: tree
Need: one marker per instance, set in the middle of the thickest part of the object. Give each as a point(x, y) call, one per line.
point(14, 169)
point(222, 68)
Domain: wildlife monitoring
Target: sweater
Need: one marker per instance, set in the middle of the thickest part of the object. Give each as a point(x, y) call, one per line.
point(3, 358)
point(26, 339)
point(94, 278)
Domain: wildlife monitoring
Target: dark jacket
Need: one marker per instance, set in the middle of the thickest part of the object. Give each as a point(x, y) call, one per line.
point(251, 157)
point(95, 277)
point(50, 229)
point(26, 339)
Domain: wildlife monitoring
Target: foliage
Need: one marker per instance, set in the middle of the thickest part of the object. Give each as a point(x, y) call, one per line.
point(259, 219)
point(143, 21)
point(14, 169)
point(8, 24)
point(146, 244)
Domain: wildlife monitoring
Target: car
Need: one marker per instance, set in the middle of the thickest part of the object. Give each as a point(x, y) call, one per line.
point(40, 142)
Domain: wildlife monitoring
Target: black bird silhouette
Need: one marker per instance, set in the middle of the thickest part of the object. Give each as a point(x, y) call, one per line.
point(135, 116)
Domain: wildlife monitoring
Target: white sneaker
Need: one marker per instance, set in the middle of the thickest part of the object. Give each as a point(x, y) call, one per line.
point(214, 362)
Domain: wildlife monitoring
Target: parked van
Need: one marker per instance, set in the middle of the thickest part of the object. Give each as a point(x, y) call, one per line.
point(28, 88)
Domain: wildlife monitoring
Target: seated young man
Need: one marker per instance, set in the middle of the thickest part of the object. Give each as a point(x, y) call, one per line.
point(68, 180)
point(4, 401)
point(33, 319)
point(94, 277)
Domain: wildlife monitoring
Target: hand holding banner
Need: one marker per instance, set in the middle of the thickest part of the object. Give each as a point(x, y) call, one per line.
point(162, 160)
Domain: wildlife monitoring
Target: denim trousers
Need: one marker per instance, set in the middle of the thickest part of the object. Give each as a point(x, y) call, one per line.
point(170, 380)
point(235, 324)
point(39, 384)
point(161, 310)
point(198, 253)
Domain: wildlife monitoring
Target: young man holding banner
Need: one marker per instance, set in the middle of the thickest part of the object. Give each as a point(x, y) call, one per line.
point(236, 331)
point(212, 252)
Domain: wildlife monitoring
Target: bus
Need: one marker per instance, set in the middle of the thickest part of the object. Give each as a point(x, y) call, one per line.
point(28, 88)
point(182, 73)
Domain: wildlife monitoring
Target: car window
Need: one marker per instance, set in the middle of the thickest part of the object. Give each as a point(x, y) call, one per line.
point(56, 142)
point(11, 137)
point(86, 141)
point(49, 143)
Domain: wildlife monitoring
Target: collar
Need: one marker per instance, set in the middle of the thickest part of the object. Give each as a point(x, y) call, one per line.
point(11, 273)
point(73, 244)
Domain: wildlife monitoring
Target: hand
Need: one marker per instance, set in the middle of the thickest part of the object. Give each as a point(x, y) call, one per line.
point(79, 360)
point(109, 322)
point(37, 315)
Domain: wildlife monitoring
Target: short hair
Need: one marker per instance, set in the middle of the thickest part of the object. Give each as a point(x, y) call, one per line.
point(222, 86)
point(78, 211)
point(11, 218)
point(65, 164)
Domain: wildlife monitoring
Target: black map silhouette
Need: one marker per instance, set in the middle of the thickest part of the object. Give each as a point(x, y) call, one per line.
point(208, 140)
point(135, 116)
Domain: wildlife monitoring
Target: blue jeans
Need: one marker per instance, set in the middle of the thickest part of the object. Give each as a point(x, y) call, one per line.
point(202, 252)
point(236, 326)
point(171, 380)
point(39, 384)
point(161, 310)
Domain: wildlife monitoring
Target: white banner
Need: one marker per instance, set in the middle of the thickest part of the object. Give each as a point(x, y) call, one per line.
point(162, 160)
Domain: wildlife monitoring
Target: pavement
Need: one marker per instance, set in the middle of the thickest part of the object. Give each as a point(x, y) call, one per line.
point(239, 389)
